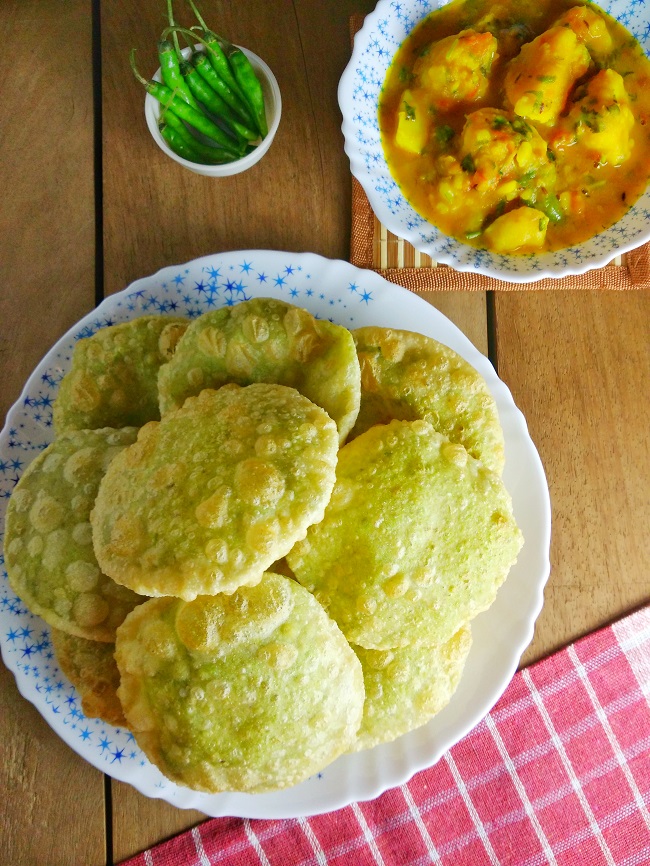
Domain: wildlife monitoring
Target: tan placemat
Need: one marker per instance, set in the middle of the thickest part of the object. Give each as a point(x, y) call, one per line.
point(372, 246)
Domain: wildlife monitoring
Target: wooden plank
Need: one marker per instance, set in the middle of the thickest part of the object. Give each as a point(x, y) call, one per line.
point(578, 365)
point(467, 310)
point(53, 801)
point(140, 822)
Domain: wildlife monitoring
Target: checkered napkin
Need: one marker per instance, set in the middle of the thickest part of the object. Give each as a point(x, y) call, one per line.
point(558, 772)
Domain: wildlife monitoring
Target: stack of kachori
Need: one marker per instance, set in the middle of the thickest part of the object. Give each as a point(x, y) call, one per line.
point(260, 538)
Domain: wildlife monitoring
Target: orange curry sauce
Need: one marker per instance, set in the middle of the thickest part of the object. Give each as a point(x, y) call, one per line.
point(518, 126)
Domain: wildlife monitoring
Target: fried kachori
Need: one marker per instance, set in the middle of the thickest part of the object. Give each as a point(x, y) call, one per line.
point(253, 691)
point(415, 541)
point(49, 553)
point(267, 340)
point(407, 376)
point(407, 686)
point(214, 493)
point(91, 668)
point(311, 598)
point(113, 378)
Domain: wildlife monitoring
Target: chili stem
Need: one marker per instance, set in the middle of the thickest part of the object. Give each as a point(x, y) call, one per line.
point(172, 23)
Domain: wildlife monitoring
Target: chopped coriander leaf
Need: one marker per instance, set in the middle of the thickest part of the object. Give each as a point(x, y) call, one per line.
point(467, 163)
point(409, 111)
point(444, 134)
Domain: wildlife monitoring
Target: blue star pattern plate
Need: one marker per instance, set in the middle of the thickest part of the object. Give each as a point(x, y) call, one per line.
point(351, 297)
point(375, 45)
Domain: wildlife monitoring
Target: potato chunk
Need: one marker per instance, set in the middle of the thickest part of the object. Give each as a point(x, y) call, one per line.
point(456, 69)
point(590, 29)
point(413, 121)
point(600, 122)
point(521, 230)
point(540, 77)
point(501, 148)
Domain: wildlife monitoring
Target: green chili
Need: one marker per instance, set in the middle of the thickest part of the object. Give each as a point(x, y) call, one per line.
point(206, 71)
point(225, 92)
point(178, 144)
point(550, 205)
point(170, 72)
point(248, 82)
point(214, 155)
point(216, 106)
point(187, 147)
point(196, 118)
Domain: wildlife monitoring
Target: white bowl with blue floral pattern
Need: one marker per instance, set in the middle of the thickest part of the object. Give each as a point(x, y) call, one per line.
point(360, 86)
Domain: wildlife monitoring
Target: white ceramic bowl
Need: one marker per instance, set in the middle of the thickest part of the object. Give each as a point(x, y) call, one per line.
point(375, 45)
point(272, 102)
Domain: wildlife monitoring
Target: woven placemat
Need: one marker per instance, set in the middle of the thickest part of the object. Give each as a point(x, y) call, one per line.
point(372, 246)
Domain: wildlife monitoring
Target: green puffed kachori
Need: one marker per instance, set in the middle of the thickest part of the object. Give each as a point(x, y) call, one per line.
point(408, 686)
point(48, 546)
point(408, 376)
point(214, 493)
point(253, 691)
point(415, 541)
point(267, 340)
point(91, 668)
point(113, 379)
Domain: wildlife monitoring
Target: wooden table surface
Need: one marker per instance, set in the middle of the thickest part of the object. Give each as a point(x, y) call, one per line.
point(90, 204)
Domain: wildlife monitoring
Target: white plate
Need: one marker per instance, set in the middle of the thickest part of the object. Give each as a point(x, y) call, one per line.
point(338, 291)
point(384, 29)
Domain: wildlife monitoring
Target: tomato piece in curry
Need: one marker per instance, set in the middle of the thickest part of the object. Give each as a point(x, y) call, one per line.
point(518, 126)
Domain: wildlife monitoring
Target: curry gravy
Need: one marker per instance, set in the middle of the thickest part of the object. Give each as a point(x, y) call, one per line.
point(579, 167)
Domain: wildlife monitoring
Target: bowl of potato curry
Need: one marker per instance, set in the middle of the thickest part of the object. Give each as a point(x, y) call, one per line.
point(507, 138)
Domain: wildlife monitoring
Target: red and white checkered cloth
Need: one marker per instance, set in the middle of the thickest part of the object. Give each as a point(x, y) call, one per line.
point(558, 773)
